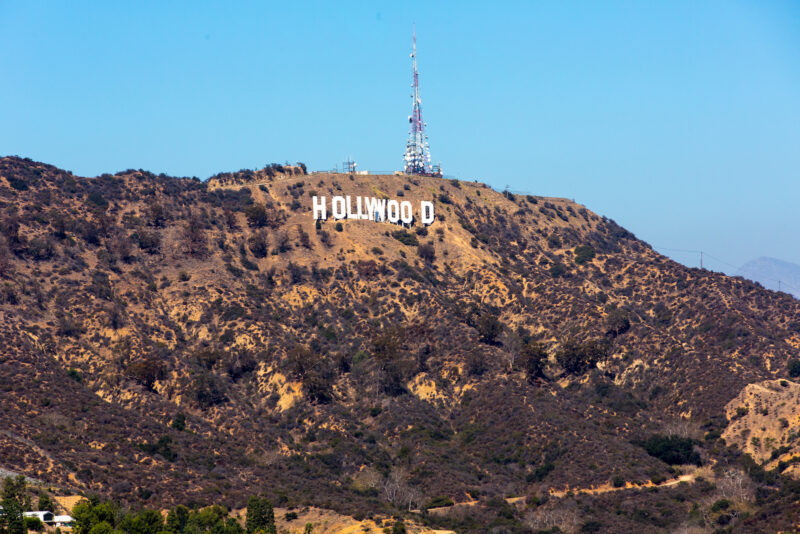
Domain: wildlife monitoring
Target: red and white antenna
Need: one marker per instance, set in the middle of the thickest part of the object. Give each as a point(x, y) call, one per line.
point(418, 156)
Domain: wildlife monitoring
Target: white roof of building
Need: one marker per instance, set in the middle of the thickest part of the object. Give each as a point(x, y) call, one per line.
point(42, 515)
point(63, 519)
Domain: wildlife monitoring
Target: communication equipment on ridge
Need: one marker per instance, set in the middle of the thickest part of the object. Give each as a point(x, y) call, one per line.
point(349, 166)
point(418, 155)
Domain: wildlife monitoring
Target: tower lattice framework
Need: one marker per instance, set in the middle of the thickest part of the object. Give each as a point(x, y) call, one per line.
point(418, 155)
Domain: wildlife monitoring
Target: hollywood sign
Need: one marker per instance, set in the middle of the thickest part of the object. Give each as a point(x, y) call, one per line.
point(372, 209)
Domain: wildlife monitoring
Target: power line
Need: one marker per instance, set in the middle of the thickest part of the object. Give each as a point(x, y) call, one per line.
point(702, 253)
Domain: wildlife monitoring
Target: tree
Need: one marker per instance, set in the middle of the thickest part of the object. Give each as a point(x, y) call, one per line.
point(194, 237)
point(46, 502)
point(144, 522)
point(577, 358)
point(617, 322)
point(533, 360)
point(177, 518)
point(260, 516)
point(6, 267)
point(673, 450)
point(489, 327)
point(103, 527)
point(12, 520)
point(34, 523)
point(179, 422)
point(14, 502)
point(83, 514)
point(147, 371)
point(257, 215)
point(512, 345)
point(583, 253)
point(258, 244)
point(16, 489)
point(794, 368)
point(427, 252)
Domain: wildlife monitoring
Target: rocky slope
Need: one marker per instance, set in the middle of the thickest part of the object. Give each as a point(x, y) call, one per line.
point(167, 339)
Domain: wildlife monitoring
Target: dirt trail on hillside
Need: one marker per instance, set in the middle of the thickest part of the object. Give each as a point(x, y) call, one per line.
point(608, 488)
point(689, 478)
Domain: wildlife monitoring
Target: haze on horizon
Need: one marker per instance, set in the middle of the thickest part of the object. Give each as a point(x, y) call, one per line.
point(681, 121)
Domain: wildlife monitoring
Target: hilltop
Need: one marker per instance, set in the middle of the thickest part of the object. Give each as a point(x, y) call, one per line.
point(173, 340)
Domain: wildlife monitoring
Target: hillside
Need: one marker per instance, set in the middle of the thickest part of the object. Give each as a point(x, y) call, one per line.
point(170, 340)
point(768, 271)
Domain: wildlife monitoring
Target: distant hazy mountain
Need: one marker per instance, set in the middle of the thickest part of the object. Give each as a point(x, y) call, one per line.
point(767, 272)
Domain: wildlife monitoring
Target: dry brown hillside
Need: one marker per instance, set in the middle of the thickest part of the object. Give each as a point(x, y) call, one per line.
point(172, 340)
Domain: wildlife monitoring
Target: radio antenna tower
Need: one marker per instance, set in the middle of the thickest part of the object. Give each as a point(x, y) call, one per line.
point(418, 155)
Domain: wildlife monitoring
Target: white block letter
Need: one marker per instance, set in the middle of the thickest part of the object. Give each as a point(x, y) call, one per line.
point(365, 213)
point(426, 212)
point(337, 206)
point(350, 213)
point(406, 212)
point(393, 211)
point(318, 206)
point(376, 208)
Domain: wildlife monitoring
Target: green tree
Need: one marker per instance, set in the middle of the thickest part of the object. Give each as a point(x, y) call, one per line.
point(46, 502)
point(14, 501)
point(84, 516)
point(489, 327)
point(583, 253)
point(144, 522)
point(102, 528)
point(577, 358)
point(13, 521)
point(260, 516)
point(534, 358)
point(16, 488)
point(794, 368)
point(34, 523)
point(257, 215)
point(179, 423)
point(177, 519)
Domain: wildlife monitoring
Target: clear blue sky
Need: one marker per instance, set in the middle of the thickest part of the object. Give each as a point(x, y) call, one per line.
point(680, 120)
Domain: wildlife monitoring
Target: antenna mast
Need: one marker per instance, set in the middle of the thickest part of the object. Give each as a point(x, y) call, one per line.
point(418, 156)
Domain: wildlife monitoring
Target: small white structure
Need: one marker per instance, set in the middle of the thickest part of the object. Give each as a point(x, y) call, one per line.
point(44, 517)
point(63, 521)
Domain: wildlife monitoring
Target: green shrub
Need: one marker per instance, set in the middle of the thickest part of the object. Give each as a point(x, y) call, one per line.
point(583, 253)
point(426, 252)
point(34, 523)
point(533, 360)
point(577, 358)
point(794, 368)
point(489, 327)
point(406, 238)
point(257, 215)
point(617, 322)
point(161, 447)
point(179, 422)
point(439, 502)
point(673, 450)
point(722, 504)
point(558, 270)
